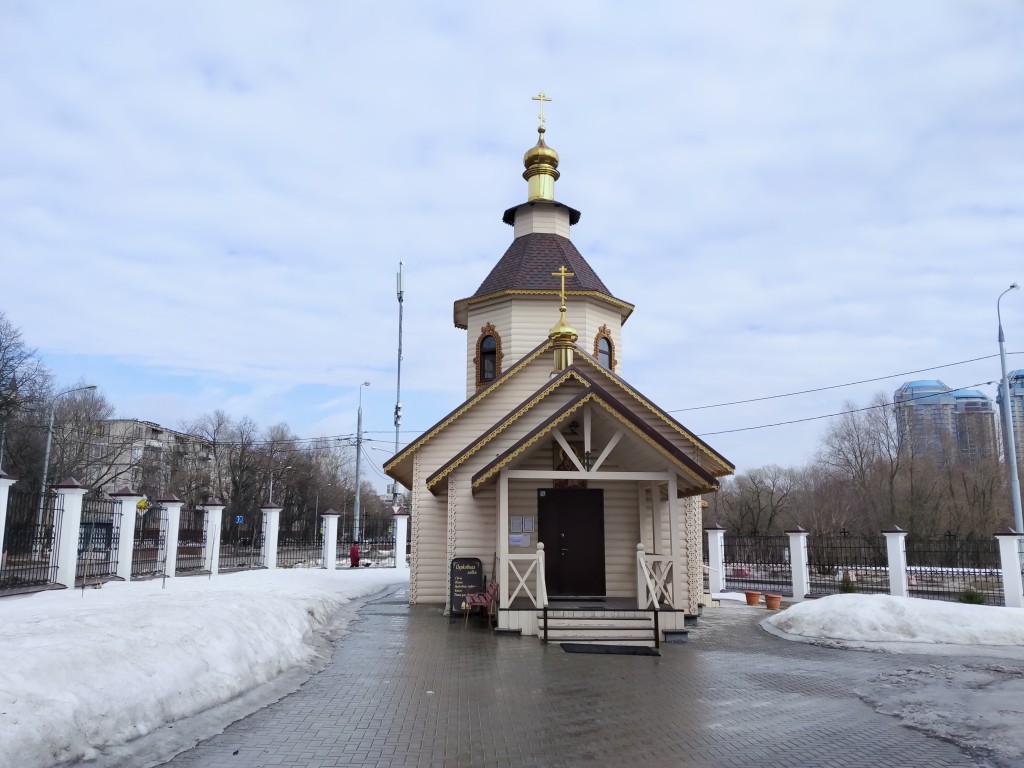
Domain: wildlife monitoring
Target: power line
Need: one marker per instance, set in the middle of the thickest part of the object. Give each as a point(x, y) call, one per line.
point(832, 386)
point(832, 415)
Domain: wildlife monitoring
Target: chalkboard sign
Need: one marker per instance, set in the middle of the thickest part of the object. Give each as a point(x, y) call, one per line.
point(467, 577)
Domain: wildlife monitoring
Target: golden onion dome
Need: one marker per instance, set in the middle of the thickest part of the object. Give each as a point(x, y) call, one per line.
point(541, 163)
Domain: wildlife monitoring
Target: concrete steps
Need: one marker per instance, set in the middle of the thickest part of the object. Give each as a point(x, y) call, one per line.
point(599, 627)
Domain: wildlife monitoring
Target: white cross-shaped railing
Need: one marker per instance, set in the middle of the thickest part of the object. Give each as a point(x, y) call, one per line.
point(655, 577)
point(520, 570)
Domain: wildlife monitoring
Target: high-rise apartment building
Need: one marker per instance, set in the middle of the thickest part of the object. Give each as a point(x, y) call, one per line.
point(974, 424)
point(1016, 407)
point(934, 420)
point(924, 416)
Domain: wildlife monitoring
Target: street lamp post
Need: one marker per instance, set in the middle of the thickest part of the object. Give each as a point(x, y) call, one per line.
point(49, 440)
point(1009, 439)
point(270, 503)
point(359, 451)
point(316, 511)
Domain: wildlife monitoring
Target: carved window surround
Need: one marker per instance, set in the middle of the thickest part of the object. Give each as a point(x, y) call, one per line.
point(485, 331)
point(604, 332)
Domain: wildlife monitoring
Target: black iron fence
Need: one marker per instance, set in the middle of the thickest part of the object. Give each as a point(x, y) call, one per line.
point(241, 540)
point(149, 549)
point(758, 563)
point(370, 551)
point(954, 569)
point(844, 562)
point(98, 539)
point(300, 549)
point(29, 555)
point(192, 542)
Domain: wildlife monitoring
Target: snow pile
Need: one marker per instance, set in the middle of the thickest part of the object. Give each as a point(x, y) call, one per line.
point(860, 619)
point(86, 669)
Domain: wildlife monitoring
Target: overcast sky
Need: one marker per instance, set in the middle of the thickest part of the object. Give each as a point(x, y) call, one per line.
point(203, 205)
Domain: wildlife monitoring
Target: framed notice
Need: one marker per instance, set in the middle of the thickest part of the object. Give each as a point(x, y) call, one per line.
point(527, 525)
point(516, 525)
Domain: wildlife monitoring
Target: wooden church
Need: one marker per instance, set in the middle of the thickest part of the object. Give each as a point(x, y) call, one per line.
point(577, 492)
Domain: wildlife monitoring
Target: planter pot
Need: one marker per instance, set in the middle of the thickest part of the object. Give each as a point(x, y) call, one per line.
point(753, 598)
point(773, 602)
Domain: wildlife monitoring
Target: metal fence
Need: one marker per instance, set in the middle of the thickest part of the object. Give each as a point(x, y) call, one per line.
point(149, 548)
point(98, 538)
point(241, 540)
point(758, 563)
point(29, 559)
point(300, 549)
point(192, 543)
point(373, 551)
point(846, 563)
point(954, 569)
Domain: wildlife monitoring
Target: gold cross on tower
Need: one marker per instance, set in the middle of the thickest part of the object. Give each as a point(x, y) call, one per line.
point(563, 273)
point(541, 98)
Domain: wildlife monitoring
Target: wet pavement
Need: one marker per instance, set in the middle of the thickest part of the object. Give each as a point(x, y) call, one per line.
point(407, 688)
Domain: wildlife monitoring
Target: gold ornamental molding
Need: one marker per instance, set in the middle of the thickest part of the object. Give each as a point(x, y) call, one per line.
point(512, 418)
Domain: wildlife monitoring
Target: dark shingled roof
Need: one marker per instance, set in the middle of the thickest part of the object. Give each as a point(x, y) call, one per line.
point(529, 262)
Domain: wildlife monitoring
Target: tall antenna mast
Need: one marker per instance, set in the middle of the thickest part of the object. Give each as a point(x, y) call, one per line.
point(398, 395)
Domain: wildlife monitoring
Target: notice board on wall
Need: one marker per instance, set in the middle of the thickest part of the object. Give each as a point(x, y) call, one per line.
point(466, 578)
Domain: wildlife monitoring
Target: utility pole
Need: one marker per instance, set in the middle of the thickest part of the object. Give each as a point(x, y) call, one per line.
point(359, 452)
point(398, 396)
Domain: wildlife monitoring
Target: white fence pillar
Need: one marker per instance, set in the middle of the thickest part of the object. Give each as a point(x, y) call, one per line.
point(126, 535)
point(896, 550)
point(1009, 556)
point(401, 523)
point(172, 521)
point(6, 481)
point(271, 526)
point(214, 511)
point(716, 559)
point(798, 562)
point(66, 548)
point(330, 539)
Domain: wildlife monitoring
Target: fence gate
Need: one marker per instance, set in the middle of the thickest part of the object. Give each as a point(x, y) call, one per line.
point(192, 542)
point(98, 537)
point(241, 540)
point(33, 526)
point(149, 550)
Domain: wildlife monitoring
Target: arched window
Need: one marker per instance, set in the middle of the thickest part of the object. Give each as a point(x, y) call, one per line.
point(604, 352)
point(604, 348)
point(488, 358)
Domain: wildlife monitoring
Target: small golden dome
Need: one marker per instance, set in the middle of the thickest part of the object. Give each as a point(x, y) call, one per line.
point(541, 153)
point(541, 163)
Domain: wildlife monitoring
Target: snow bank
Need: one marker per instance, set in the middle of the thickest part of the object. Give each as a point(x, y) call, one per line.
point(85, 669)
point(886, 619)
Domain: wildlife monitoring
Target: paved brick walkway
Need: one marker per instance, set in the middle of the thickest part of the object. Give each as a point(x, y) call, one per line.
point(406, 688)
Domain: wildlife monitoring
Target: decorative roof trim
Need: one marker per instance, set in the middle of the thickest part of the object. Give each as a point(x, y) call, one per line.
point(726, 465)
point(465, 454)
point(704, 481)
point(463, 305)
point(466, 405)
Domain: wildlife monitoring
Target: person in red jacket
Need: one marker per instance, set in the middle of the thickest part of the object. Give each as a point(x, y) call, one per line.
point(353, 555)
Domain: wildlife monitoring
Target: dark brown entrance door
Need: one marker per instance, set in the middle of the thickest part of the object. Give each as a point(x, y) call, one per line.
point(570, 522)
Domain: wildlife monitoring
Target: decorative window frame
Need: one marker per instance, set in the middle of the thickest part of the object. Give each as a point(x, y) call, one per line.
point(604, 332)
point(485, 331)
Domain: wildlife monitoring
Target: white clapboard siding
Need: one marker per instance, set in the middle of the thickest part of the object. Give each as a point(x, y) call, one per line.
point(544, 219)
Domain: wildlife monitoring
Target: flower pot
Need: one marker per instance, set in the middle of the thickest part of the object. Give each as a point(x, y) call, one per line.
point(773, 602)
point(753, 598)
